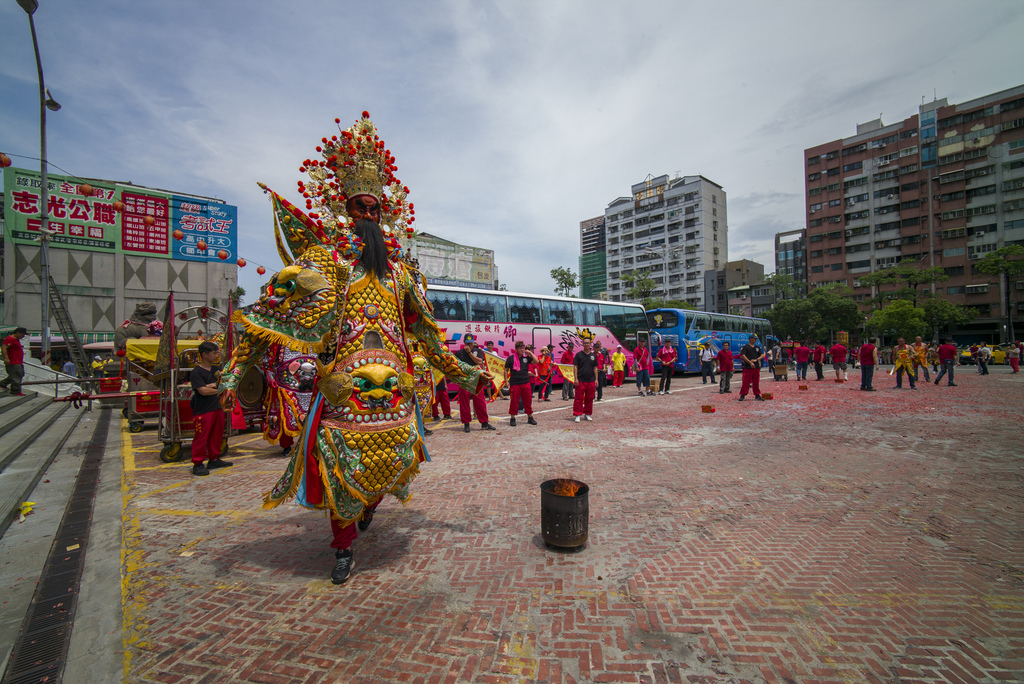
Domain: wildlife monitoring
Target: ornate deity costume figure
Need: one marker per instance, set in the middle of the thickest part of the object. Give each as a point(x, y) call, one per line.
point(350, 307)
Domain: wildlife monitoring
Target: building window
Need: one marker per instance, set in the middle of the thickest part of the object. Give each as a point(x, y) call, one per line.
point(836, 267)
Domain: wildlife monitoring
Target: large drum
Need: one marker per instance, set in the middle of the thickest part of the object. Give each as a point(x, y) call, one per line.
point(250, 389)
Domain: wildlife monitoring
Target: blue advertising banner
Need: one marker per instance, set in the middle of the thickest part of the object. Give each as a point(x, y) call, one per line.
point(214, 223)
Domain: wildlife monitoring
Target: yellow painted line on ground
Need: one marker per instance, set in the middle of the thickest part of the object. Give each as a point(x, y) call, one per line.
point(161, 490)
point(132, 603)
point(183, 464)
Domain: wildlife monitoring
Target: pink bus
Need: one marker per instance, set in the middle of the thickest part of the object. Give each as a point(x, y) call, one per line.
point(507, 317)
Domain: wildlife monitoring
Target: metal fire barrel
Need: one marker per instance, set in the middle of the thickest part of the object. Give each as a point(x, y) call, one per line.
point(564, 520)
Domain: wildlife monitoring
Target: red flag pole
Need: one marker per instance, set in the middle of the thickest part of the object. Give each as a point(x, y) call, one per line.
point(228, 341)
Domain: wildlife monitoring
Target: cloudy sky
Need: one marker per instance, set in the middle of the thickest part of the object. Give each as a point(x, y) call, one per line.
point(511, 121)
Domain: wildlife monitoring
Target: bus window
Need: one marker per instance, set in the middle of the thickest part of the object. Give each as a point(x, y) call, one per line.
point(524, 310)
point(488, 308)
point(448, 306)
point(623, 322)
point(586, 314)
point(701, 321)
point(746, 325)
point(662, 319)
point(719, 323)
point(557, 313)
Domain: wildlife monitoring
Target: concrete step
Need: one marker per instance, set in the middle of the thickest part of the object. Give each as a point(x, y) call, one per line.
point(27, 450)
point(8, 402)
point(20, 413)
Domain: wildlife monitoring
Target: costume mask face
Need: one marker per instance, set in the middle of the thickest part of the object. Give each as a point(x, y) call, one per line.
point(364, 207)
point(300, 300)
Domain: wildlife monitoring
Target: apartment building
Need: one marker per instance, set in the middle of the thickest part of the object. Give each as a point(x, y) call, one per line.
point(941, 188)
point(671, 229)
point(791, 256)
point(593, 276)
point(719, 283)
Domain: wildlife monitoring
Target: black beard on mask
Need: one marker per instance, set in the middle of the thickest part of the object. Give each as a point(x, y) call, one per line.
point(375, 253)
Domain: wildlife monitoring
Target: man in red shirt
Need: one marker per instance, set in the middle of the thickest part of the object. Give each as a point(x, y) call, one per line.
point(868, 355)
point(14, 360)
point(726, 364)
point(947, 358)
point(803, 355)
point(819, 359)
point(667, 355)
point(838, 352)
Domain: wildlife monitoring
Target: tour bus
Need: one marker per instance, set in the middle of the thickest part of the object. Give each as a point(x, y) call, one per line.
point(689, 329)
point(508, 317)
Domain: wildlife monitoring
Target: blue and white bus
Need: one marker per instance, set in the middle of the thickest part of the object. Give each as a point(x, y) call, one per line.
point(689, 329)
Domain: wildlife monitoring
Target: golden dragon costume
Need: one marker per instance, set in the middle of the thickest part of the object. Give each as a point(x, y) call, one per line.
point(360, 436)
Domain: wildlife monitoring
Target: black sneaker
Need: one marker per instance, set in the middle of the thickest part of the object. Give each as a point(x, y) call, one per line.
point(512, 421)
point(447, 417)
point(199, 469)
point(728, 391)
point(742, 397)
point(952, 384)
point(531, 420)
point(286, 451)
point(365, 521)
point(427, 431)
point(487, 426)
point(218, 463)
point(465, 427)
point(342, 566)
point(758, 397)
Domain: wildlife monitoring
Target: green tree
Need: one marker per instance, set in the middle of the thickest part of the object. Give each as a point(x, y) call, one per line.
point(236, 296)
point(784, 286)
point(941, 314)
point(565, 280)
point(836, 310)
point(641, 286)
point(1007, 263)
point(907, 277)
point(900, 319)
point(796, 318)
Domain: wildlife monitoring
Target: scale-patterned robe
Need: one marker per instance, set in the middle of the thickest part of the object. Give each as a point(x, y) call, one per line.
point(360, 438)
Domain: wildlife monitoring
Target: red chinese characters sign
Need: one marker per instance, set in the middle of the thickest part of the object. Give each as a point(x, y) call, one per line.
point(144, 223)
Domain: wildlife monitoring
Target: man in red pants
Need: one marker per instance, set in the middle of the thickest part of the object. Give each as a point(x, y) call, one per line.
point(206, 409)
point(469, 355)
point(519, 378)
point(751, 356)
point(586, 363)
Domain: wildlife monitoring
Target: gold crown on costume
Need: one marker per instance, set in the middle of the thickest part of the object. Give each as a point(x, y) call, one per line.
point(355, 162)
point(585, 334)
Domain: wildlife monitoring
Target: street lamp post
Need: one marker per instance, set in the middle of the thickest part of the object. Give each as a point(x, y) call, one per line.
point(45, 102)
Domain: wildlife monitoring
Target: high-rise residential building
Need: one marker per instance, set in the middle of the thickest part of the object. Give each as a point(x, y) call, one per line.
point(791, 256)
point(671, 229)
point(593, 276)
point(941, 188)
point(719, 283)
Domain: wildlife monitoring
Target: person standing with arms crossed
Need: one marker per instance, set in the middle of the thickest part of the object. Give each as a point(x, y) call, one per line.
point(586, 381)
point(518, 377)
point(751, 355)
point(667, 355)
point(208, 442)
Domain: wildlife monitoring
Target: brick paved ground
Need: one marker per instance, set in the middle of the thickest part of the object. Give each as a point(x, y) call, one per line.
point(829, 535)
